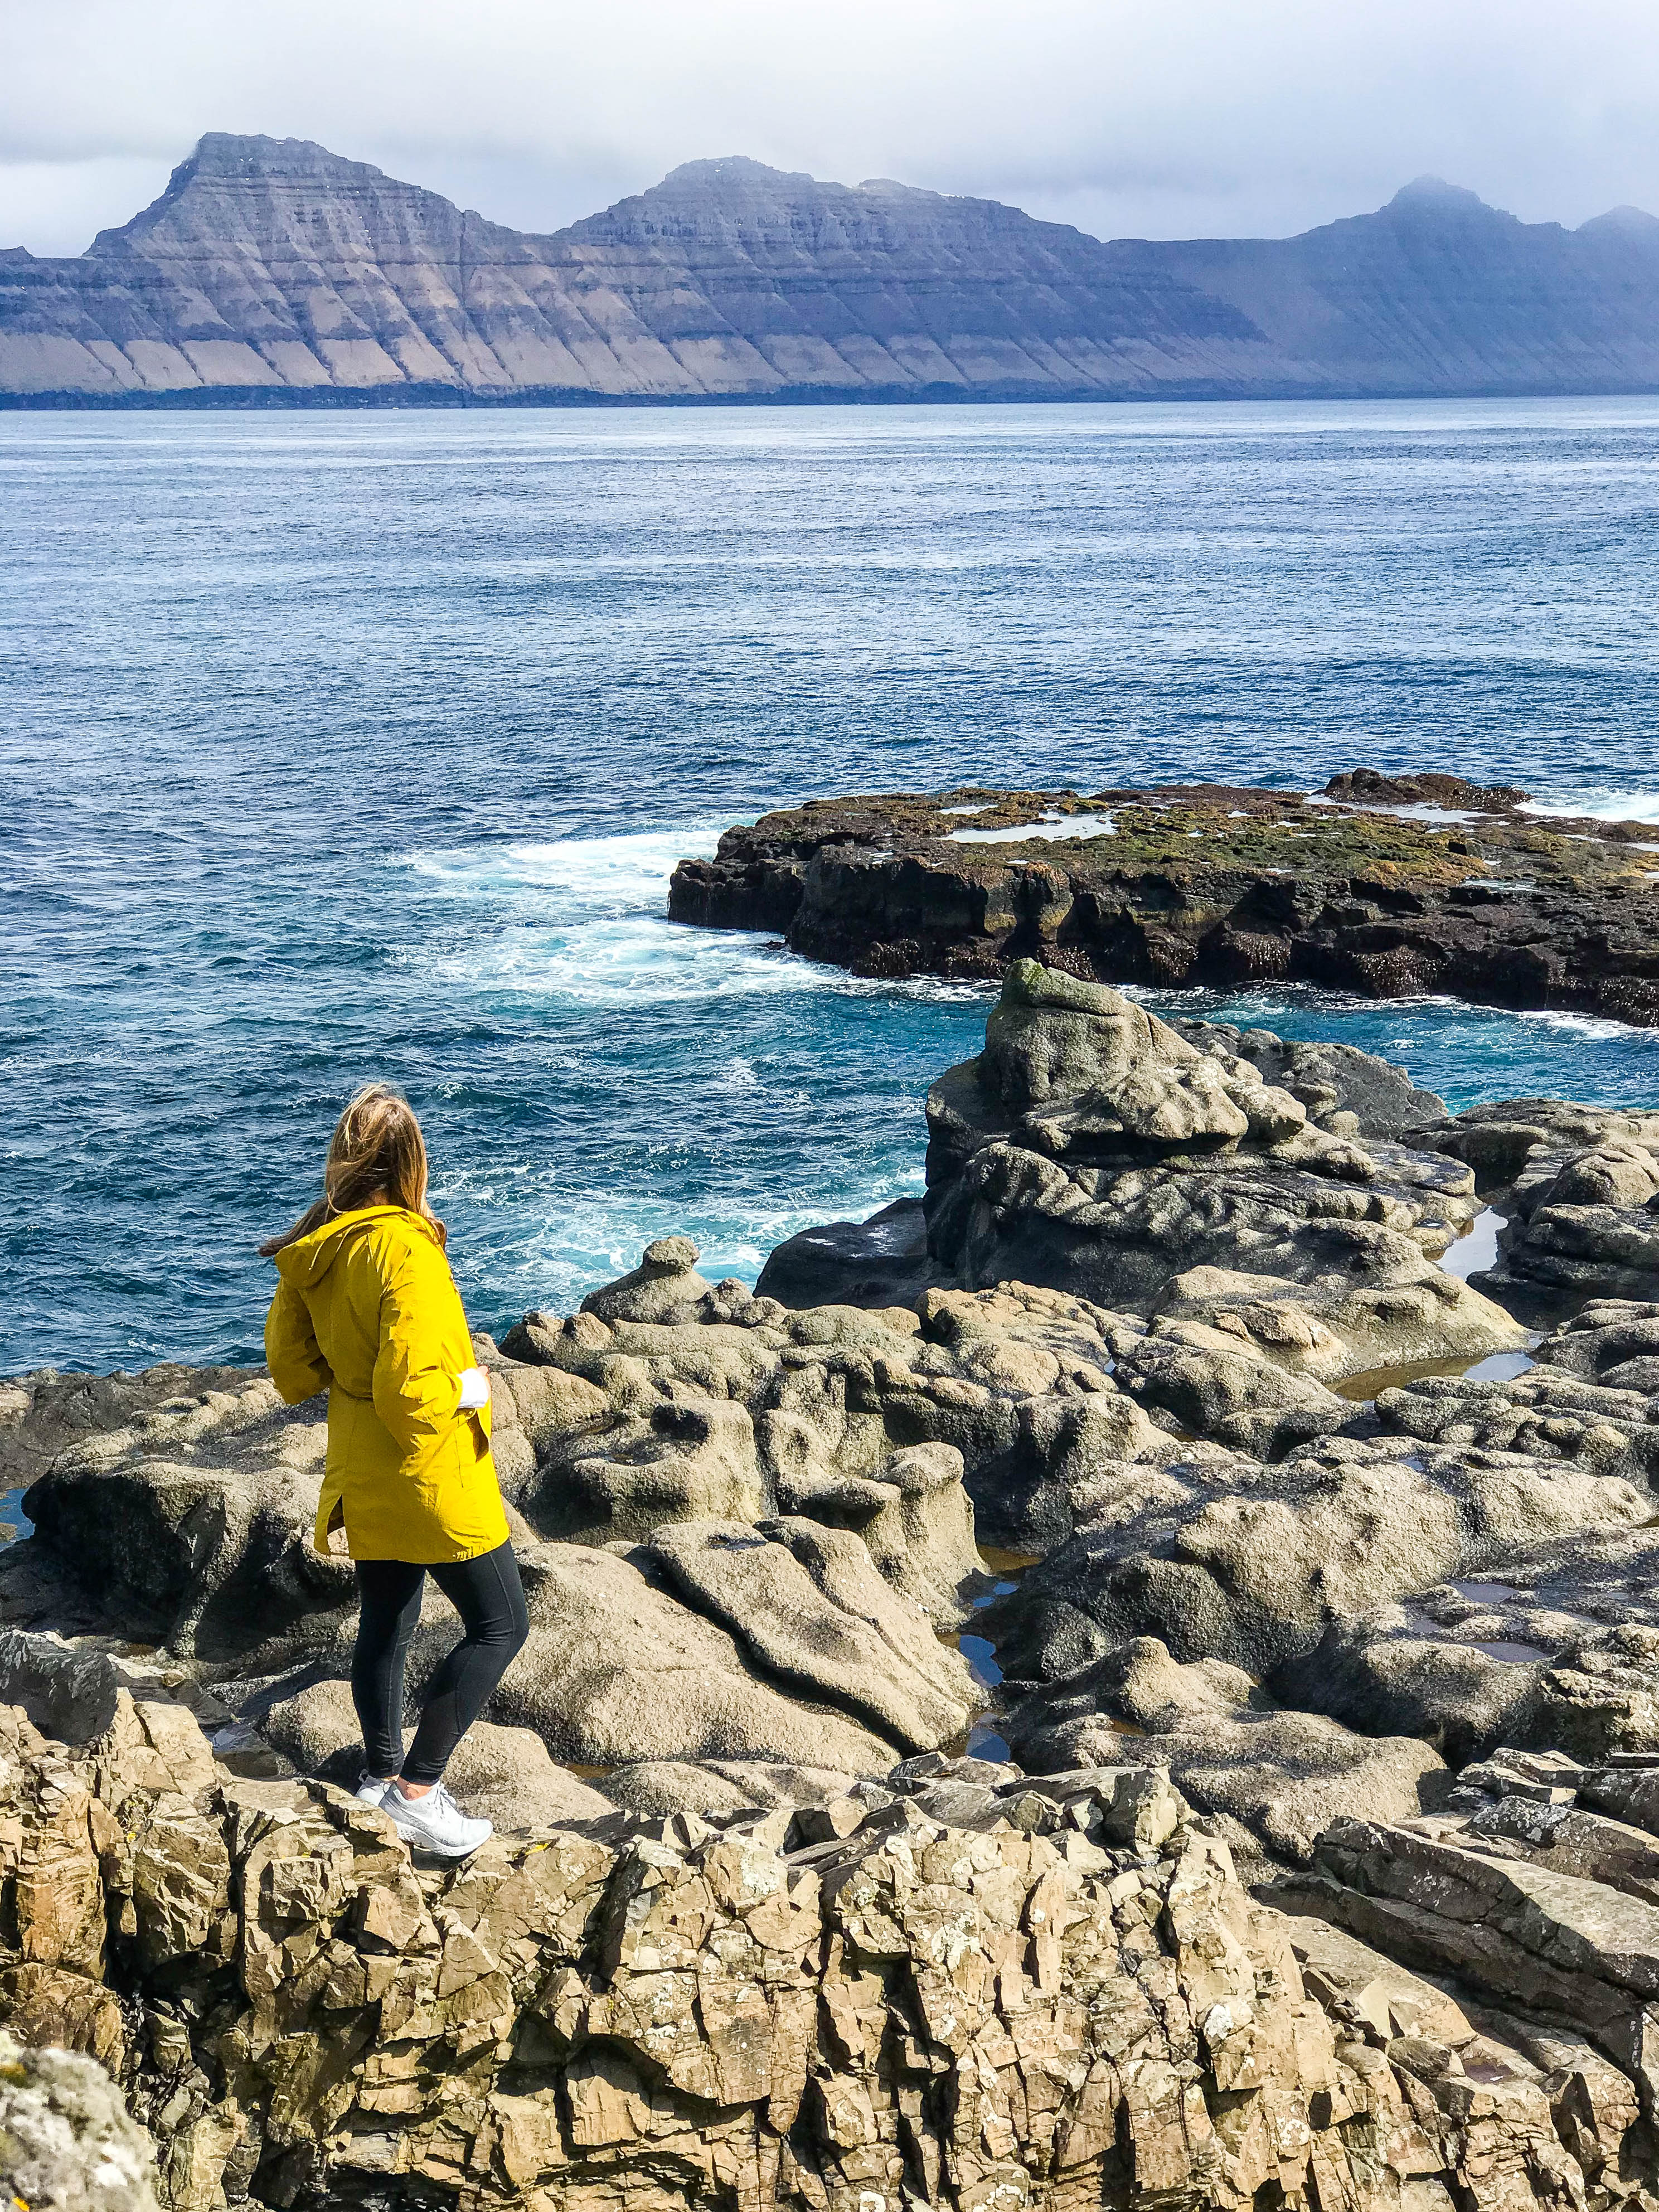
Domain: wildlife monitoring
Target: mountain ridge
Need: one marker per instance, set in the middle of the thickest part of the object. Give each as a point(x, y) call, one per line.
point(273, 272)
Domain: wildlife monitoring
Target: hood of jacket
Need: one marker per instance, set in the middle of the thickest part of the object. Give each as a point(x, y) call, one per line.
point(306, 1261)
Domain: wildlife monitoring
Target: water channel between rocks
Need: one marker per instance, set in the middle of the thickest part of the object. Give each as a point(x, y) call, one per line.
point(1007, 1570)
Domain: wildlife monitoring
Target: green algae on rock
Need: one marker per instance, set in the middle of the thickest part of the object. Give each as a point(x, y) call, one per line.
point(1386, 886)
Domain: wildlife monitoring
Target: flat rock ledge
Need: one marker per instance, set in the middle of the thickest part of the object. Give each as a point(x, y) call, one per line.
point(1385, 885)
point(1045, 1995)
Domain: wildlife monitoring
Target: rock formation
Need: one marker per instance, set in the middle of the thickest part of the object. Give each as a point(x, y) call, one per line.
point(1386, 886)
point(1279, 1821)
point(272, 271)
point(1093, 1148)
point(1043, 1994)
point(67, 2142)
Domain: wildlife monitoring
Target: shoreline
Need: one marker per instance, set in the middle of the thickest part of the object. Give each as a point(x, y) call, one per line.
point(1391, 887)
point(923, 1670)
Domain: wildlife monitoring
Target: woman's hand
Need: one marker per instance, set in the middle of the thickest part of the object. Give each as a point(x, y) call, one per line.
point(475, 1389)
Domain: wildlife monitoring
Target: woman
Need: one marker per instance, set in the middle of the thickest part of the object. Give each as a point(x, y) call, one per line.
point(367, 1309)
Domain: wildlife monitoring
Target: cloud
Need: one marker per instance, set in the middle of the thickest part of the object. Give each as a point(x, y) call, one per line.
point(1195, 118)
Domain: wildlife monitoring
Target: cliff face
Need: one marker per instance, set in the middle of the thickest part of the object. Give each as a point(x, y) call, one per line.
point(271, 269)
point(1438, 292)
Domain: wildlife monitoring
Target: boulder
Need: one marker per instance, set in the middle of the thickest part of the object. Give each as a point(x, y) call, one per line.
point(617, 1670)
point(1330, 1328)
point(881, 1262)
point(1498, 1139)
point(67, 2142)
point(1384, 1675)
point(1228, 1559)
point(807, 1608)
point(664, 1287)
point(1093, 1149)
point(1543, 1413)
point(189, 1523)
point(1580, 1185)
point(1613, 1342)
point(1216, 1383)
point(46, 1413)
point(858, 1419)
point(720, 1787)
point(1326, 1079)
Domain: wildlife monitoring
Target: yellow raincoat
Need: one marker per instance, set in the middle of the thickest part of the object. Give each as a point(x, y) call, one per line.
point(367, 1309)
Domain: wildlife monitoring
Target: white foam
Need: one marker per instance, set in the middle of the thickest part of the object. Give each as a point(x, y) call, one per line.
point(1603, 806)
point(585, 920)
point(1051, 828)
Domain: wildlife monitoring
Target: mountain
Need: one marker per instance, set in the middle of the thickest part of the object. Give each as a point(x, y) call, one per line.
point(272, 271)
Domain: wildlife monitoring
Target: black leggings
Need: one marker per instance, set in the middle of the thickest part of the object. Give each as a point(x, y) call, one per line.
point(487, 1594)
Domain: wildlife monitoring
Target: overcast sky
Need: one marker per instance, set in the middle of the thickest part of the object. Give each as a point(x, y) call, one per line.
point(1177, 119)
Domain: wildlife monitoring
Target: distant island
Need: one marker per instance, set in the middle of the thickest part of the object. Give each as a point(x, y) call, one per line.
point(272, 273)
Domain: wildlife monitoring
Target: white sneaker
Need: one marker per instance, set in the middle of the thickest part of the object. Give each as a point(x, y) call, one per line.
point(370, 1789)
point(434, 1822)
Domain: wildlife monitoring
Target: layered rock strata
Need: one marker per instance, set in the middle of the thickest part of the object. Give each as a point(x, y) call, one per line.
point(1388, 887)
point(272, 271)
point(1535, 1887)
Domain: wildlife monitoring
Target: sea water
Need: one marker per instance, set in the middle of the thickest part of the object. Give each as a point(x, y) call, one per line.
point(337, 747)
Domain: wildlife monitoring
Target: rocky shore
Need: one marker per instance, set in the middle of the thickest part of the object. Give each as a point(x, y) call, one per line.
point(1132, 1681)
point(1387, 886)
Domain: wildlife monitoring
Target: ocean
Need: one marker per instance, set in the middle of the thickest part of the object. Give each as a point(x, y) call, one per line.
point(356, 746)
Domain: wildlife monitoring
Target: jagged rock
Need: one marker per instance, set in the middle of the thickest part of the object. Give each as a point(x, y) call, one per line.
point(1487, 1905)
point(502, 1774)
point(1276, 1777)
point(1563, 1649)
point(69, 1691)
point(1228, 1559)
point(46, 1412)
point(1074, 2004)
point(1380, 1997)
point(1326, 1078)
point(67, 2142)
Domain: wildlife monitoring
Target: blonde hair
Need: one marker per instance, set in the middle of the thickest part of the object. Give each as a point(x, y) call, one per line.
point(377, 1152)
